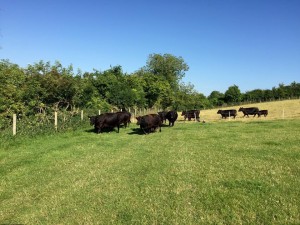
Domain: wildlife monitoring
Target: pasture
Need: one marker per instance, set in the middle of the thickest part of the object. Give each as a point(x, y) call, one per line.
point(287, 109)
point(243, 171)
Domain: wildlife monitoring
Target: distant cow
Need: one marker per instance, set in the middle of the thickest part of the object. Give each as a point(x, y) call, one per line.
point(124, 118)
point(262, 112)
point(191, 114)
point(227, 113)
point(162, 116)
point(249, 111)
point(171, 116)
point(149, 123)
point(107, 120)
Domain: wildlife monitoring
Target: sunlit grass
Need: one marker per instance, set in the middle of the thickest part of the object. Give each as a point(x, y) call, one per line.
point(193, 173)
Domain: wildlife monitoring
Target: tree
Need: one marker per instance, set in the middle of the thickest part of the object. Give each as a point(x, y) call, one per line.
point(233, 95)
point(11, 88)
point(153, 87)
point(136, 83)
point(216, 98)
point(168, 67)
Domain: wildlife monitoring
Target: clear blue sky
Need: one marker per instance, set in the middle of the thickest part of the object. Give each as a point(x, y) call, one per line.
point(248, 43)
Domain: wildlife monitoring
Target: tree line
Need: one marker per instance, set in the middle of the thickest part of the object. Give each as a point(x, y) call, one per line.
point(44, 86)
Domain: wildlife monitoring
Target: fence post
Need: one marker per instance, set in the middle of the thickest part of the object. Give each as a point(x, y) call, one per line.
point(55, 120)
point(81, 115)
point(99, 112)
point(14, 124)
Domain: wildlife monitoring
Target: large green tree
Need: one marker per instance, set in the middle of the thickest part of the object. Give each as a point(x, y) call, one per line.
point(233, 95)
point(167, 66)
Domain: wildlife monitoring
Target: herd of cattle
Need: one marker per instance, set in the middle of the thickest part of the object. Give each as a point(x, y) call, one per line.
point(151, 122)
point(246, 111)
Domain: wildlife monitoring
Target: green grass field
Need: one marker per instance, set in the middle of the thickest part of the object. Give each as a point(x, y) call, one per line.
point(224, 172)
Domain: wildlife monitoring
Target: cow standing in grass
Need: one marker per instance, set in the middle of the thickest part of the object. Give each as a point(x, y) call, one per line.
point(162, 116)
point(227, 113)
point(191, 114)
point(106, 120)
point(149, 123)
point(171, 116)
point(262, 112)
point(124, 118)
point(249, 111)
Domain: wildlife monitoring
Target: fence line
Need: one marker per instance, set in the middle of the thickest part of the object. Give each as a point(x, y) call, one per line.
point(135, 112)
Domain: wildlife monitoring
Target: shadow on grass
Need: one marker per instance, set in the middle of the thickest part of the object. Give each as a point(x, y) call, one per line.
point(103, 130)
point(139, 131)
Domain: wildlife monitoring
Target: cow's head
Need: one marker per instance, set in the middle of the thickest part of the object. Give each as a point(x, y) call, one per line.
point(138, 119)
point(92, 119)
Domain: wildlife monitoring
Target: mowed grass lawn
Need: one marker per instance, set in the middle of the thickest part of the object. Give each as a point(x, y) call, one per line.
point(224, 172)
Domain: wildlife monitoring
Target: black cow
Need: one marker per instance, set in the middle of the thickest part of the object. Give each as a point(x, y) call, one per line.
point(227, 113)
point(172, 117)
point(262, 112)
point(107, 120)
point(124, 118)
point(191, 114)
point(162, 116)
point(149, 123)
point(249, 111)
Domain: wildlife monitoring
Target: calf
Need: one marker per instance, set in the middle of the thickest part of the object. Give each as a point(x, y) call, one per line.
point(171, 116)
point(227, 113)
point(149, 123)
point(249, 111)
point(262, 112)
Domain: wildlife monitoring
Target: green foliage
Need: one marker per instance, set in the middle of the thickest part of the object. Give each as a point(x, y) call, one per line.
point(167, 66)
point(216, 98)
point(11, 88)
point(233, 95)
point(44, 86)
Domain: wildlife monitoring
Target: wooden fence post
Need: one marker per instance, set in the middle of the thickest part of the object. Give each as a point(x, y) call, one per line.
point(81, 115)
point(14, 124)
point(55, 120)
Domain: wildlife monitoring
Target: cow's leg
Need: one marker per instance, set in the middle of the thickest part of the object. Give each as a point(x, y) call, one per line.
point(144, 131)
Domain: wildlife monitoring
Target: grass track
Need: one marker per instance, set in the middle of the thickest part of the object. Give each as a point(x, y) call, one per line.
point(214, 173)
